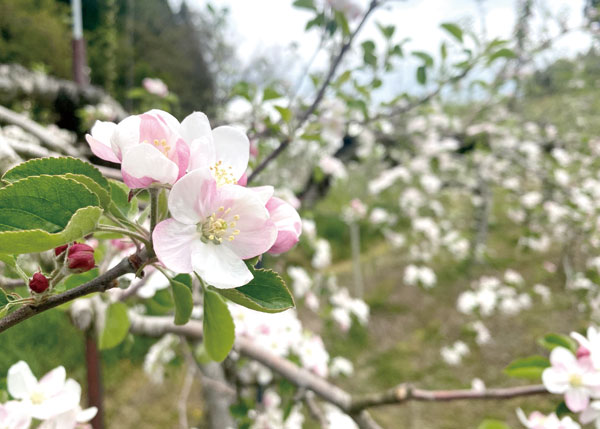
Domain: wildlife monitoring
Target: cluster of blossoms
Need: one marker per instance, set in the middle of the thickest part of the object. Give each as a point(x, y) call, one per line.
point(577, 376)
point(54, 401)
point(216, 222)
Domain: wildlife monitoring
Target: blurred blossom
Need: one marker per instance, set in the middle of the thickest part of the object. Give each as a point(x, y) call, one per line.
point(158, 356)
point(155, 87)
point(322, 257)
point(333, 166)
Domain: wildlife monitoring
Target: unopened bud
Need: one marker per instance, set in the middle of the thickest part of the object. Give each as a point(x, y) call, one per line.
point(60, 249)
point(39, 283)
point(81, 257)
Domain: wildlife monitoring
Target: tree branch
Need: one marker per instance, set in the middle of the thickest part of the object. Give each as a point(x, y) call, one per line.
point(354, 406)
point(320, 94)
point(101, 283)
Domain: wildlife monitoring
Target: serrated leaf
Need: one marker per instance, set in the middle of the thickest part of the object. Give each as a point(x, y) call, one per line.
point(218, 327)
point(493, 424)
point(63, 166)
point(42, 212)
point(286, 114)
point(184, 302)
point(266, 292)
point(530, 367)
point(270, 94)
point(552, 341)
point(454, 30)
point(116, 326)
point(421, 75)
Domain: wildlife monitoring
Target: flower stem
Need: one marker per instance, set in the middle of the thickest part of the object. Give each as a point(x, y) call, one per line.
point(117, 230)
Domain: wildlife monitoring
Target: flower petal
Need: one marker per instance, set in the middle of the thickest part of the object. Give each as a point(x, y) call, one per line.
point(86, 415)
point(257, 231)
point(577, 400)
point(196, 126)
point(99, 140)
point(125, 134)
point(219, 266)
point(555, 381)
point(20, 380)
point(288, 223)
point(146, 161)
point(172, 243)
point(191, 198)
point(233, 148)
point(54, 381)
point(263, 192)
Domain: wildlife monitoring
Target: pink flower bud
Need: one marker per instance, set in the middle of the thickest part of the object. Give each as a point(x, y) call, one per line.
point(39, 283)
point(288, 223)
point(582, 352)
point(60, 249)
point(81, 257)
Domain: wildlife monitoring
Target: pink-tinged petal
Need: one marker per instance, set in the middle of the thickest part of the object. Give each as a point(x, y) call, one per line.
point(158, 125)
point(136, 183)
point(219, 266)
point(20, 380)
point(54, 381)
point(257, 231)
point(61, 421)
point(555, 381)
point(101, 150)
point(589, 414)
point(202, 154)
point(15, 415)
point(86, 415)
point(145, 160)
point(103, 131)
point(192, 197)
point(125, 135)
point(181, 157)
point(233, 148)
point(196, 126)
point(288, 223)
point(577, 400)
point(166, 118)
point(172, 242)
point(243, 181)
point(263, 192)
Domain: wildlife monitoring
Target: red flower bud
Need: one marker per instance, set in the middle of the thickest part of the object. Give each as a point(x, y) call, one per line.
point(39, 283)
point(60, 249)
point(81, 257)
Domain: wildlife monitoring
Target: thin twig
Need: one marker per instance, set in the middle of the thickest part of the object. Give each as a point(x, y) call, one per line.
point(320, 94)
point(100, 284)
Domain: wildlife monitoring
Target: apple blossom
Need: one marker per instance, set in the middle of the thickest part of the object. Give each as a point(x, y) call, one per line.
point(591, 344)
point(149, 148)
point(155, 86)
point(575, 378)
point(46, 398)
point(224, 150)
point(537, 420)
point(213, 230)
point(14, 415)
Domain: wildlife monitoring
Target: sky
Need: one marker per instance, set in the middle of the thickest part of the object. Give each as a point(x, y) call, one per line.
point(271, 26)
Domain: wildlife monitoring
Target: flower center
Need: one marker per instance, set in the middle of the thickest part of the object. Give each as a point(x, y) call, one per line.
point(37, 398)
point(216, 228)
point(575, 380)
point(161, 145)
point(223, 174)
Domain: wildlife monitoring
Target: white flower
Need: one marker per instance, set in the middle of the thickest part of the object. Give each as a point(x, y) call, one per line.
point(14, 415)
point(301, 281)
point(341, 366)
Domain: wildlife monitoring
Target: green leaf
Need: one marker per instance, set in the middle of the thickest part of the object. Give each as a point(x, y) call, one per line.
point(70, 167)
point(218, 327)
point(266, 292)
point(369, 56)
point(493, 424)
point(9, 260)
point(42, 212)
point(116, 326)
point(530, 367)
point(342, 22)
point(119, 194)
point(270, 94)
point(501, 53)
point(552, 341)
point(343, 78)
point(421, 75)
point(184, 303)
point(286, 114)
point(305, 4)
point(3, 298)
point(427, 59)
point(75, 280)
point(386, 30)
point(454, 30)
